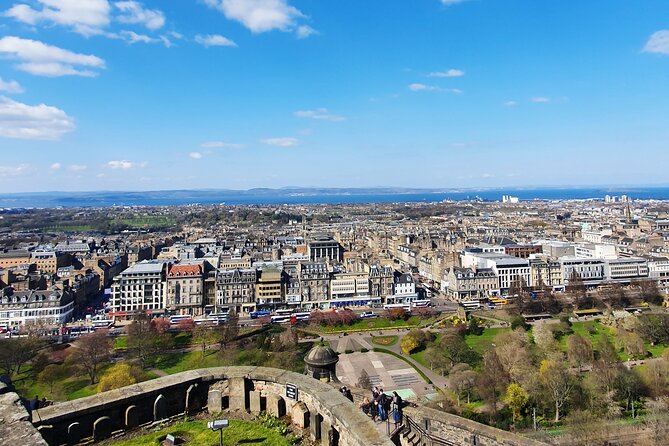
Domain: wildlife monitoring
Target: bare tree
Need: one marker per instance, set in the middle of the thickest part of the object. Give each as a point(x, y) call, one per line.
point(90, 352)
point(492, 381)
point(363, 380)
point(558, 383)
point(579, 350)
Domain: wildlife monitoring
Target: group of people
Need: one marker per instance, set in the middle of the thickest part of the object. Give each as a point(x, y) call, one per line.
point(382, 406)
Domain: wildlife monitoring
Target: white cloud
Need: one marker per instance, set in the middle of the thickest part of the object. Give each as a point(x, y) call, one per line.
point(134, 13)
point(214, 40)
point(55, 166)
point(510, 103)
point(22, 121)
point(540, 100)
point(261, 15)
point(195, 155)
point(13, 171)
point(125, 164)
point(658, 43)
point(220, 145)
point(448, 73)
point(132, 37)
point(86, 17)
point(281, 142)
point(77, 167)
point(10, 86)
point(423, 87)
point(41, 59)
point(320, 114)
point(305, 31)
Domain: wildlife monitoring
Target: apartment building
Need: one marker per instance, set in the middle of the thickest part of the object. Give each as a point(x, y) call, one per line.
point(185, 289)
point(236, 290)
point(141, 287)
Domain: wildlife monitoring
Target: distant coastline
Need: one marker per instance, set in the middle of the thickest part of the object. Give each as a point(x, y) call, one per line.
point(263, 196)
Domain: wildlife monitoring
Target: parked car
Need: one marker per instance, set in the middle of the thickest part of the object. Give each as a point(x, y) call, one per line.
point(368, 314)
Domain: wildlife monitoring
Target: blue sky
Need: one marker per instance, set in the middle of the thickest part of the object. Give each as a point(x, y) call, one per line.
point(125, 95)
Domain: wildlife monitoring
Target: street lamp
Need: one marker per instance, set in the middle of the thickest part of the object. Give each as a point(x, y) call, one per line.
point(218, 425)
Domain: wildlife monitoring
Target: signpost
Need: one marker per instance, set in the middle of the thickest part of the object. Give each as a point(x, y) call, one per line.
point(291, 391)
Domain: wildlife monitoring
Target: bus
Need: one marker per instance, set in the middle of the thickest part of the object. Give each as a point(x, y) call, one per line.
point(405, 307)
point(174, 320)
point(281, 319)
point(102, 323)
point(302, 316)
point(471, 304)
point(499, 301)
point(421, 303)
point(286, 312)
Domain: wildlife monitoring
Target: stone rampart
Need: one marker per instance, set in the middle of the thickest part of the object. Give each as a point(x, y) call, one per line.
point(461, 431)
point(329, 416)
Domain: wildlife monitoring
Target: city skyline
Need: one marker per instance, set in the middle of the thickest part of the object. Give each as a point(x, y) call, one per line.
point(234, 94)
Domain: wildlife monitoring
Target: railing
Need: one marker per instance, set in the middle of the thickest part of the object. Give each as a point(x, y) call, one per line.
point(412, 425)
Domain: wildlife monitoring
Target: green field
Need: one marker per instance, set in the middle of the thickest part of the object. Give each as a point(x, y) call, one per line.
point(483, 342)
point(196, 432)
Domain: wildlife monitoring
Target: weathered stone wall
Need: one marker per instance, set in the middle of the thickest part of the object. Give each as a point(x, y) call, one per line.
point(460, 430)
point(15, 427)
point(320, 407)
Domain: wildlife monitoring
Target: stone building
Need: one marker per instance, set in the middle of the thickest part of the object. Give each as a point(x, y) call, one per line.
point(471, 283)
point(236, 290)
point(185, 289)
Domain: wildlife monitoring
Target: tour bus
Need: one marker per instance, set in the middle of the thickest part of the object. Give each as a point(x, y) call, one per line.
point(421, 303)
point(406, 307)
point(102, 323)
point(471, 304)
point(286, 312)
point(174, 320)
point(281, 319)
point(212, 319)
point(302, 316)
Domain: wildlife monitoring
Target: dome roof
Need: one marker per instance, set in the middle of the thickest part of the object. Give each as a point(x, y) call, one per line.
point(321, 356)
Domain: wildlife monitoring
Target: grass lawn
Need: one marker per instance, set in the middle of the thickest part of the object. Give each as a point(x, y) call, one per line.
point(483, 342)
point(196, 432)
point(384, 341)
point(180, 362)
point(121, 343)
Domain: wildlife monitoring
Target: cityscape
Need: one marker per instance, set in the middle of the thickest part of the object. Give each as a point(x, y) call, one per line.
point(288, 222)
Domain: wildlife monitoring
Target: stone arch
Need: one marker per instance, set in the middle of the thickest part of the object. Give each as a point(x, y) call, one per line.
point(131, 417)
point(102, 428)
point(191, 399)
point(74, 433)
point(160, 408)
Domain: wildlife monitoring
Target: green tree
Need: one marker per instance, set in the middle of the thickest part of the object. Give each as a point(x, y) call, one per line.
point(119, 375)
point(516, 398)
point(52, 374)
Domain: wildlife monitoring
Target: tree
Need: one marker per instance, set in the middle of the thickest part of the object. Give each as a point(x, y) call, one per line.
point(90, 352)
point(544, 337)
point(455, 349)
point(16, 352)
point(363, 380)
point(584, 428)
point(516, 398)
point(650, 292)
point(203, 336)
point(518, 290)
point(558, 383)
point(230, 329)
point(51, 375)
point(462, 379)
point(579, 350)
point(576, 287)
point(415, 340)
point(492, 381)
point(143, 339)
point(288, 339)
point(654, 327)
point(512, 349)
point(119, 375)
